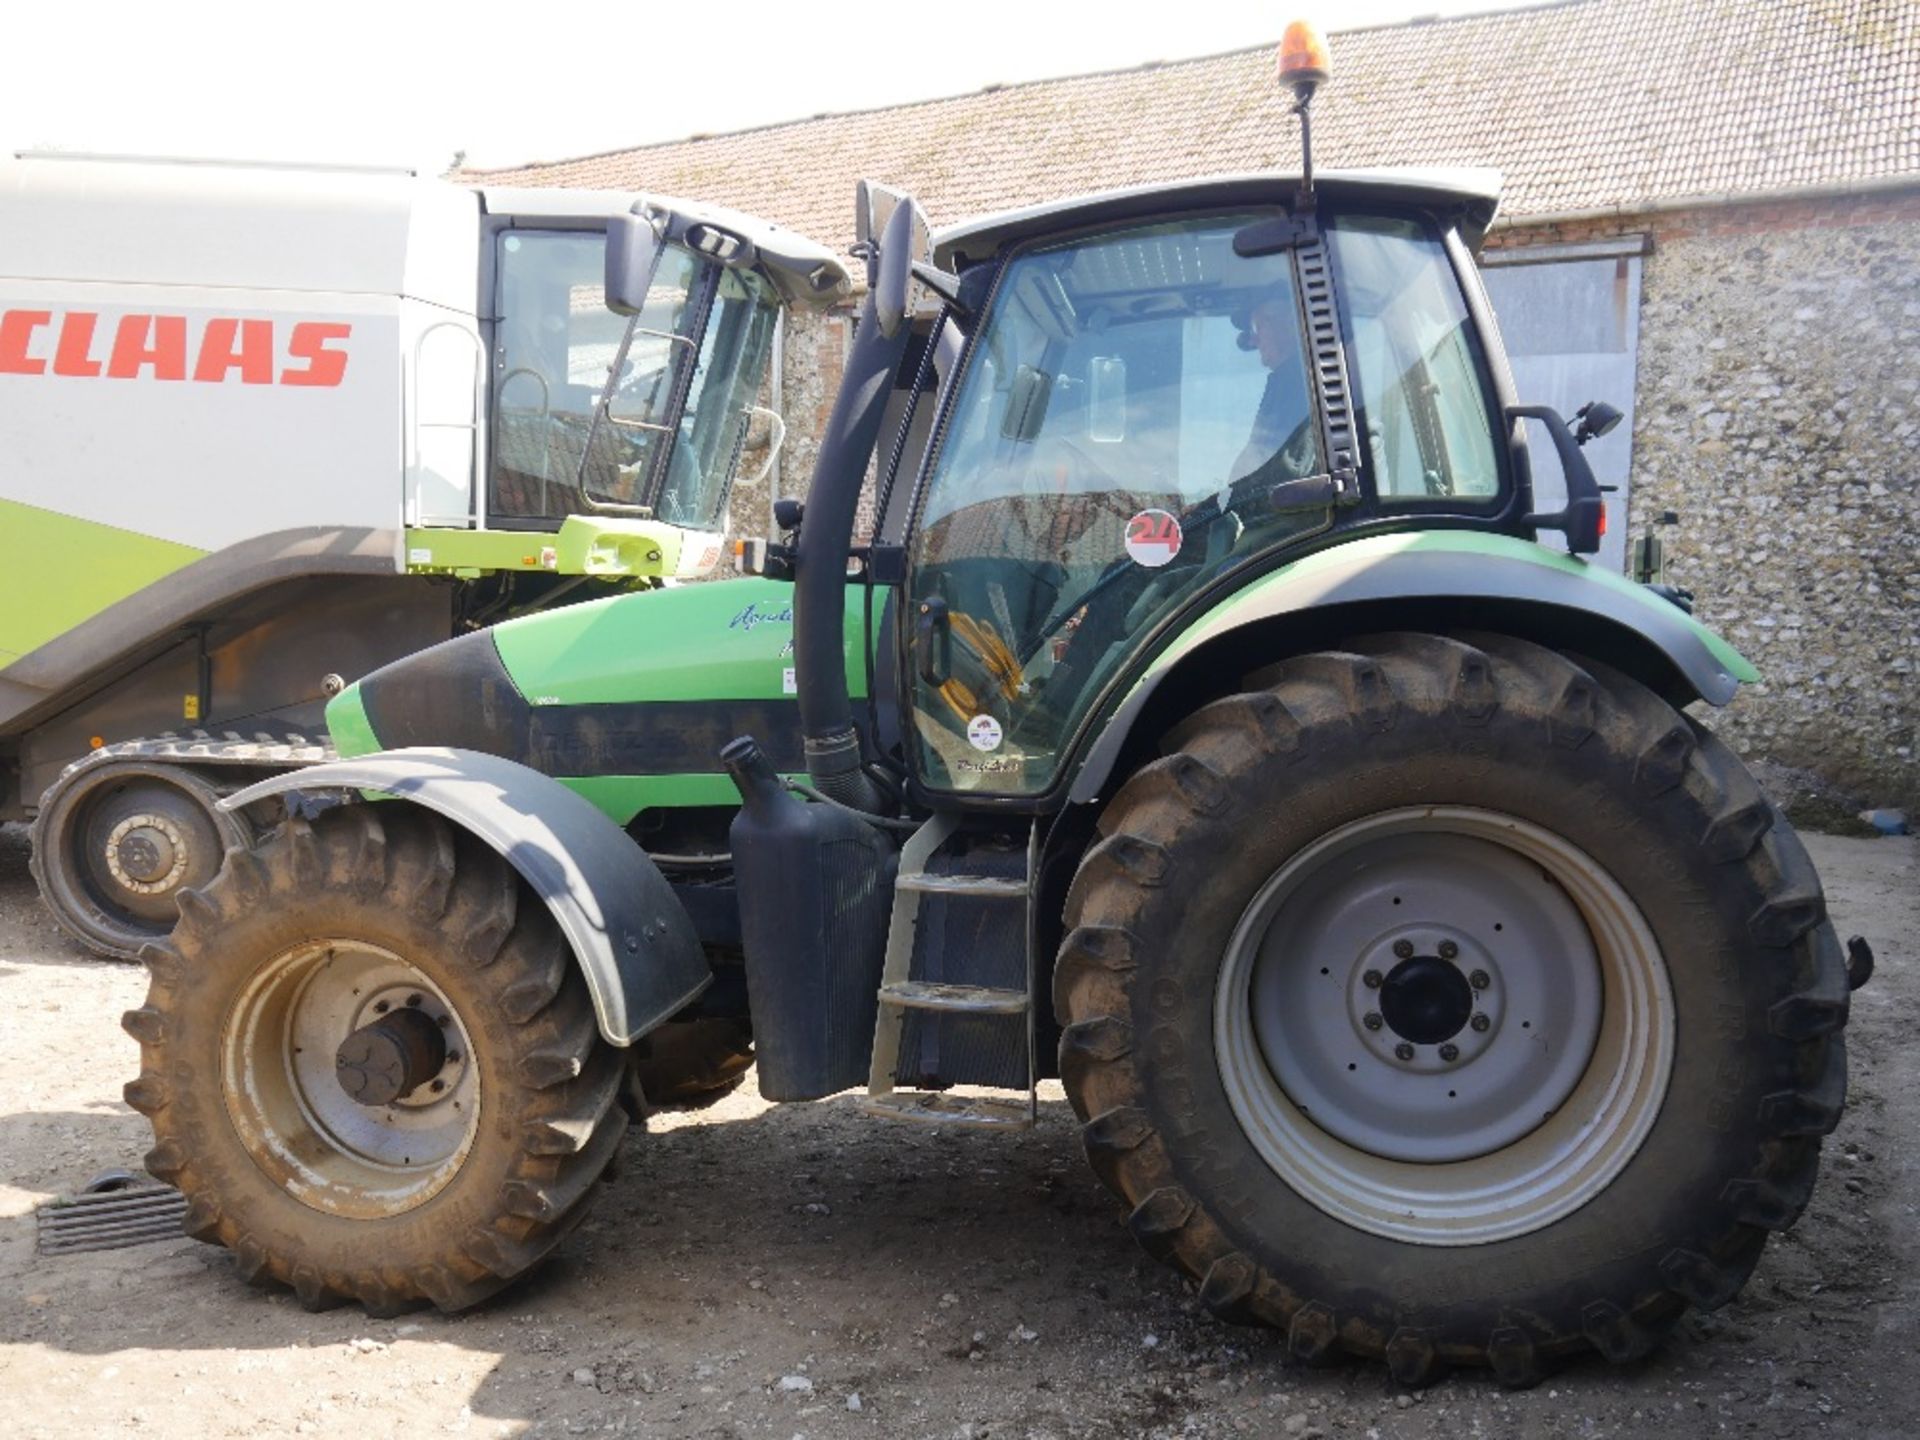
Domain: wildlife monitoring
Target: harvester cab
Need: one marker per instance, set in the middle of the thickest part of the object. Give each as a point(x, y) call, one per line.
point(1224, 742)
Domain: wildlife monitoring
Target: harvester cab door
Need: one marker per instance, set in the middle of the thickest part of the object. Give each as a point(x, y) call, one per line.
point(553, 343)
point(1135, 417)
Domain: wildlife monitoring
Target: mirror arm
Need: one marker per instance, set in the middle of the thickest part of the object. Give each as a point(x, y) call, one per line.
point(1581, 520)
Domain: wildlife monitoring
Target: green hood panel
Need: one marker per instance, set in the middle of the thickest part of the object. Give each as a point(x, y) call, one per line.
point(725, 640)
point(626, 700)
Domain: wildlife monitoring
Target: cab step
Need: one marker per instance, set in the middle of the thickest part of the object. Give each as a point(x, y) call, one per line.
point(900, 994)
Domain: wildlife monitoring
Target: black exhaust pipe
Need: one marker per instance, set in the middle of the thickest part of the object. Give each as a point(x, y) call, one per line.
point(826, 535)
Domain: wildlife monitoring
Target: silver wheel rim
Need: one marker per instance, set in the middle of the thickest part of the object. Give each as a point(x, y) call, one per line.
point(1561, 1055)
point(303, 1130)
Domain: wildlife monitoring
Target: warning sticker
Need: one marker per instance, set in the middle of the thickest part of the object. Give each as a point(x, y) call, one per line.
point(983, 733)
point(1153, 538)
point(789, 681)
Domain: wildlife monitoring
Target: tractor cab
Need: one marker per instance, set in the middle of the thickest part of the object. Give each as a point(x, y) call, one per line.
point(1162, 393)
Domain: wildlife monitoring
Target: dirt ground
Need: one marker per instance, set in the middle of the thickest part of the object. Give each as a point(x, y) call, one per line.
point(802, 1271)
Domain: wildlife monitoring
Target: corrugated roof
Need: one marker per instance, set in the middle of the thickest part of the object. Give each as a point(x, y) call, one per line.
point(1582, 105)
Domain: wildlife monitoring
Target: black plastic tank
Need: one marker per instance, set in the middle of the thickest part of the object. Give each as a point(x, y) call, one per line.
point(815, 884)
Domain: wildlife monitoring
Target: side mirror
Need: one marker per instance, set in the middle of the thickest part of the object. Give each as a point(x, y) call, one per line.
point(903, 239)
point(1584, 520)
point(1594, 419)
point(633, 254)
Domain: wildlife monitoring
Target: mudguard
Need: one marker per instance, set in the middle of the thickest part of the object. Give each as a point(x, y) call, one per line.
point(1437, 565)
point(632, 939)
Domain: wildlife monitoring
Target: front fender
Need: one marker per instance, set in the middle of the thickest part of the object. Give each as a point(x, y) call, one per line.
point(633, 941)
point(1436, 567)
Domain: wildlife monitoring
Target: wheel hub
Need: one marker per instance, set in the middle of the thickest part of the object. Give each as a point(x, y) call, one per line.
point(1426, 1000)
point(148, 854)
point(391, 1058)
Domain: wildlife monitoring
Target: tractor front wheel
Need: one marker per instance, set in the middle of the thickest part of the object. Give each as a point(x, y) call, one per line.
point(372, 1065)
point(1452, 1001)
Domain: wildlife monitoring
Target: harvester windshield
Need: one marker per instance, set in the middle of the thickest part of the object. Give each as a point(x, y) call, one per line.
point(678, 411)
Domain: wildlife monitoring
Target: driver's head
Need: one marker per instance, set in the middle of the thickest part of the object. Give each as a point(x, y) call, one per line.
point(1276, 332)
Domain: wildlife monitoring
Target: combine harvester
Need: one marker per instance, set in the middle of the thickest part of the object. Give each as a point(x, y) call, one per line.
point(268, 428)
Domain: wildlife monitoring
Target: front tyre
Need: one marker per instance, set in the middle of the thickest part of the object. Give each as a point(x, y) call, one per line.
point(1454, 1002)
point(372, 1066)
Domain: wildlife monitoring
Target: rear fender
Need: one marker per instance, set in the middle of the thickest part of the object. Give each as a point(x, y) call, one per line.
point(630, 936)
point(1434, 579)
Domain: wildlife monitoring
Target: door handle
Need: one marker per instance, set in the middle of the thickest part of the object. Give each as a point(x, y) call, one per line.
point(929, 631)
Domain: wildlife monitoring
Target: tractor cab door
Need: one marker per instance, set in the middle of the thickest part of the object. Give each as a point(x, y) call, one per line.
point(1134, 418)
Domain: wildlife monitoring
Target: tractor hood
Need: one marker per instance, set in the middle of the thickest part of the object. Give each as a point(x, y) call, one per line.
point(628, 700)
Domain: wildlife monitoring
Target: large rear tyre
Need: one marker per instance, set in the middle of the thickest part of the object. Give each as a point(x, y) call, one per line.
point(116, 841)
point(372, 1065)
point(1452, 1001)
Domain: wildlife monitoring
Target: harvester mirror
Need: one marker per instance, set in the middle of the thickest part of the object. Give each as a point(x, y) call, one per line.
point(633, 252)
point(1107, 399)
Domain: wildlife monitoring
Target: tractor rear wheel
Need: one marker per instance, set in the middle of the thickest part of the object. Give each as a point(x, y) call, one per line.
point(1452, 1001)
point(372, 1065)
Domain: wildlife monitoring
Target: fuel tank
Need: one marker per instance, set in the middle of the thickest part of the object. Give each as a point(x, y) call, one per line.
point(627, 700)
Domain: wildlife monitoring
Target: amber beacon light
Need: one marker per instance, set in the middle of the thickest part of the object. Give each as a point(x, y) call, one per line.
point(1304, 65)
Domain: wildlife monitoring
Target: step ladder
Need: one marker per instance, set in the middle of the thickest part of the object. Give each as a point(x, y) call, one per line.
point(900, 993)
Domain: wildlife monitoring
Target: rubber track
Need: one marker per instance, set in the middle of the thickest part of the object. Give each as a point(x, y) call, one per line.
point(1288, 709)
point(569, 1122)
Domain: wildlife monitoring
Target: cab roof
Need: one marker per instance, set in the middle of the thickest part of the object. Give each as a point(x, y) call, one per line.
point(805, 271)
point(1470, 196)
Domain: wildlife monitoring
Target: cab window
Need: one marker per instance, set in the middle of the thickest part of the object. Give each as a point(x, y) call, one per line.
point(1417, 369)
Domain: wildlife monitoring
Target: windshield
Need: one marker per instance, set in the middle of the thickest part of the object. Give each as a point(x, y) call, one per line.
point(1129, 422)
point(553, 345)
point(733, 357)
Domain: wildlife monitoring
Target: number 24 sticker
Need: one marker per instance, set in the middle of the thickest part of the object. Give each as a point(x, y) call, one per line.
point(1153, 538)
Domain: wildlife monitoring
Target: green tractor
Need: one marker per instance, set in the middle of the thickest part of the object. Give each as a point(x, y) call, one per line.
point(1203, 725)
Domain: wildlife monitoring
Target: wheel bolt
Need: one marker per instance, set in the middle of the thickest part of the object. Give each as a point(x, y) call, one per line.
point(1448, 949)
point(380, 1007)
point(453, 1056)
point(1403, 1050)
point(1479, 979)
point(413, 999)
point(1403, 948)
point(1372, 979)
point(1449, 1052)
point(437, 1086)
point(1372, 1020)
point(1481, 1023)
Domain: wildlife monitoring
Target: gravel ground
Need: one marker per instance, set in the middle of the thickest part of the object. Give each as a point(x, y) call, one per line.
point(802, 1271)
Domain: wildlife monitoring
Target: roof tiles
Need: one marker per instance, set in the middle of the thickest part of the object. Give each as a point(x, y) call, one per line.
point(1584, 105)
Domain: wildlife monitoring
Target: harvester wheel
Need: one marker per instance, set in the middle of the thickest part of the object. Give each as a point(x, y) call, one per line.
point(114, 843)
point(372, 1065)
point(691, 1063)
point(1452, 1001)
